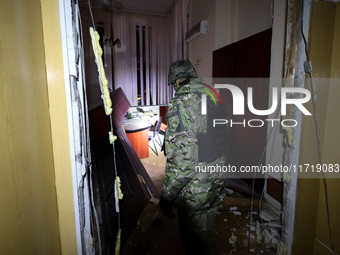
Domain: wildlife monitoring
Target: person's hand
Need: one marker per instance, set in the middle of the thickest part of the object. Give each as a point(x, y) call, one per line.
point(166, 207)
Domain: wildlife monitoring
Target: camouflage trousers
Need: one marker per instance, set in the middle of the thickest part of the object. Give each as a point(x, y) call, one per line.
point(197, 230)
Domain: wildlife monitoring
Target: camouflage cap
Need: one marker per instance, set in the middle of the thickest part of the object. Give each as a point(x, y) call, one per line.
point(181, 69)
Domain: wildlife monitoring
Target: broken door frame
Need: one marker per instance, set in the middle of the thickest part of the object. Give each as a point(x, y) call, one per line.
point(297, 18)
point(76, 113)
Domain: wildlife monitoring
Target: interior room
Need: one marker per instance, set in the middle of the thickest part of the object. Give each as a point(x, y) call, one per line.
point(84, 103)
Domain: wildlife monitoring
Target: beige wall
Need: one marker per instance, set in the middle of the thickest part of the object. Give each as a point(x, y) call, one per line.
point(311, 232)
point(331, 148)
point(59, 124)
point(29, 208)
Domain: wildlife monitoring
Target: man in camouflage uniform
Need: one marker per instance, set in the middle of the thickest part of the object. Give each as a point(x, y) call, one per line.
point(197, 195)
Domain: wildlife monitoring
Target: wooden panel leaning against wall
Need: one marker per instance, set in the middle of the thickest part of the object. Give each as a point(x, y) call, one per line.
point(129, 168)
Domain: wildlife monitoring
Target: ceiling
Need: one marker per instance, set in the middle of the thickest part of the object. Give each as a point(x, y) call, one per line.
point(155, 7)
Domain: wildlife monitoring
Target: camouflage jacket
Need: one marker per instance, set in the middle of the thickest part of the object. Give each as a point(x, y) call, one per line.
point(191, 189)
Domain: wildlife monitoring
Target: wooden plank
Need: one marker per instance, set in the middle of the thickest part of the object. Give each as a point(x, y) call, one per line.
point(120, 106)
point(100, 122)
point(137, 193)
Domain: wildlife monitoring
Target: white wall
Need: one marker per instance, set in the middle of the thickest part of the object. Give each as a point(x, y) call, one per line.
point(228, 21)
point(253, 17)
point(226, 30)
point(200, 50)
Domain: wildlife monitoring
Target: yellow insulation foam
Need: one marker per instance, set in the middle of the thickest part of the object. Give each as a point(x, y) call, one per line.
point(98, 52)
point(120, 193)
point(112, 137)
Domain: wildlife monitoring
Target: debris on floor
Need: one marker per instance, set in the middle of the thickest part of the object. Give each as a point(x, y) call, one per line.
point(270, 226)
point(229, 191)
point(238, 234)
point(237, 230)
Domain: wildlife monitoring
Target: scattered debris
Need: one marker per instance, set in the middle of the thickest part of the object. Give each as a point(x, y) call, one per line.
point(270, 226)
point(251, 236)
point(233, 238)
point(258, 232)
point(275, 224)
point(268, 215)
point(286, 177)
point(248, 243)
point(282, 249)
point(230, 191)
